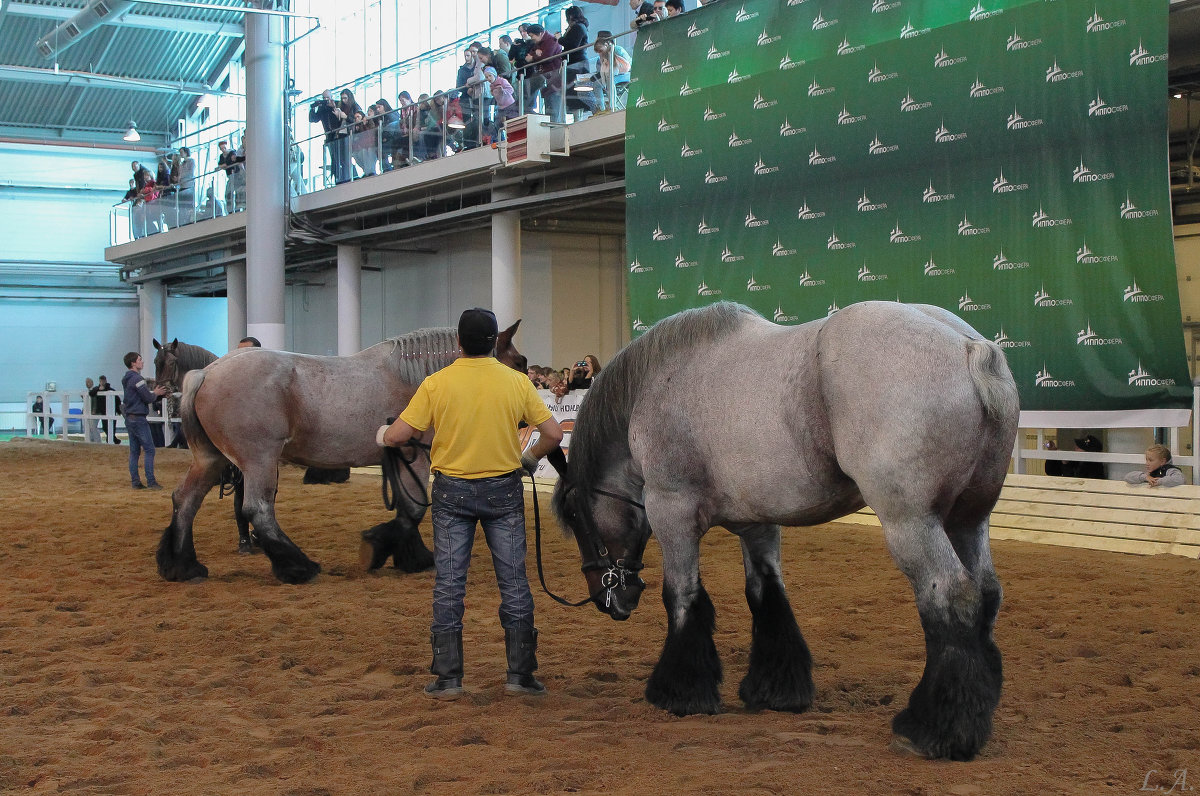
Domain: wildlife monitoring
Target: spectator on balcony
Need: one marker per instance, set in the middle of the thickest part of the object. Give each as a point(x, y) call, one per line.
point(615, 57)
point(388, 124)
point(363, 141)
point(545, 56)
point(332, 119)
point(230, 163)
point(674, 8)
point(429, 126)
point(185, 185)
point(574, 41)
point(141, 215)
point(505, 98)
point(407, 112)
point(528, 80)
point(296, 170)
point(498, 60)
point(212, 207)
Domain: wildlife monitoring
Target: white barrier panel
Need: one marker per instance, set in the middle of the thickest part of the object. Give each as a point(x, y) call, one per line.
point(564, 410)
point(57, 406)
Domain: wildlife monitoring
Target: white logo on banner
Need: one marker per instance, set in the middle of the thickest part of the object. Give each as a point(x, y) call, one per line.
point(642, 160)
point(1044, 379)
point(704, 229)
point(909, 32)
point(1086, 256)
point(663, 295)
point(846, 48)
point(877, 147)
point(1140, 56)
point(877, 75)
point(1015, 42)
point(1056, 74)
point(806, 280)
point(1001, 263)
point(1043, 299)
point(712, 178)
point(778, 250)
point(637, 268)
point(1100, 107)
point(734, 77)
point(1083, 174)
point(944, 136)
point(665, 126)
point(931, 195)
point(786, 63)
point(1096, 23)
point(782, 317)
point(761, 103)
point(1088, 337)
point(965, 227)
point(650, 44)
point(815, 89)
point(832, 309)
point(908, 104)
point(753, 221)
point(744, 16)
point(943, 59)
point(805, 213)
point(815, 158)
point(833, 243)
point(735, 141)
point(1002, 185)
point(796, 2)
point(1140, 378)
point(711, 116)
point(693, 31)
point(1004, 341)
point(704, 290)
point(754, 287)
point(880, 6)
point(978, 13)
point(658, 234)
point(683, 262)
point(933, 269)
point(687, 152)
point(866, 275)
point(846, 117)
point(642, 102)
point(897, 236)
point(686, 90)
point(1135, 295)
point(665, 185)
point(786, 129)
point(820, 23)
point(1129, 210)
point(761, 168)
point(968, 304)
point(1042, 220)
point(638, 326)
point(728, 256)
point(1018, 122)
point(765, 38)
point(714, 53)
point(978, 89)
point(865, 205)
point(667, 67)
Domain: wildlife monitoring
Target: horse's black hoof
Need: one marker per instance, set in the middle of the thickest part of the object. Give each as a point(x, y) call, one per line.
point(959, 740)
point(178, 572)
point(296, 571)
point(788, 692)
point(672, 700)
point(377, 544)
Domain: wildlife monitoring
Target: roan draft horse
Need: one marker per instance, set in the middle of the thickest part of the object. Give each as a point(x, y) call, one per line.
point(255, 407)
point(903, 408)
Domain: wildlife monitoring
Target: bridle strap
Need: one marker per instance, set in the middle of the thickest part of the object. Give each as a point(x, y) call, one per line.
point(537, 540)
point(622, 498)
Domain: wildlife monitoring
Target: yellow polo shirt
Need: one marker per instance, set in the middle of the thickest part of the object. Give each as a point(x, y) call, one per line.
point(474, 406)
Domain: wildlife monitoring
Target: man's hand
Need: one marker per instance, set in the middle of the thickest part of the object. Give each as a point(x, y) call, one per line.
point(160, 390)
point(529, 463)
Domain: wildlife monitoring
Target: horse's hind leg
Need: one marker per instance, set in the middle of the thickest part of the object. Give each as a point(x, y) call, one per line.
point(949, 713)
point(688, 674)
point(288, 562)
point(399, 539)
point(176, 554)
point(780, 676)
point(245, 540)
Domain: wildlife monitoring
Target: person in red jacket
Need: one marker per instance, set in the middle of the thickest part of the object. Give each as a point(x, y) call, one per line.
point(545, 56)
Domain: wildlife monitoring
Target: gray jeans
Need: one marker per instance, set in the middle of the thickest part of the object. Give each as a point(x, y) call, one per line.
point(498, 504)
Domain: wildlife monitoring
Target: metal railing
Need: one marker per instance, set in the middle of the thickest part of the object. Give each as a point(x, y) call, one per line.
point(174, 206)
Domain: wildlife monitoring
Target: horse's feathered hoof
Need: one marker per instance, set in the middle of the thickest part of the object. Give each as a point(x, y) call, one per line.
point(681, 704)
point(961, 742)
point(247, 547)
point(296, 571)
point(177, 568)
point(795, 696)
point(904, 746)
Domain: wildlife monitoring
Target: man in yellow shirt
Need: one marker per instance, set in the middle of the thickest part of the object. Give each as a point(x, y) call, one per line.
point(475, 405)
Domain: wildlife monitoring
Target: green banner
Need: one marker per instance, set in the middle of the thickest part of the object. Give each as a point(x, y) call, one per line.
point(1004, 159)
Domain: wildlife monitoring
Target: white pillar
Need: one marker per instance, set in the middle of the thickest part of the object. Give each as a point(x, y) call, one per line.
point(349, 300)
point(235, 303)
point(506, 260)
point(265, 186)
point(151, 313)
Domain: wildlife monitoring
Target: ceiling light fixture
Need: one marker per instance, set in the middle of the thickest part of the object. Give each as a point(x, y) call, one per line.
point(132, 135)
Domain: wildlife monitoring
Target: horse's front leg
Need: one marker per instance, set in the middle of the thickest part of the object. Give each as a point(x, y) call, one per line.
point(688, 674)
point(288, 562)
point(780, 675)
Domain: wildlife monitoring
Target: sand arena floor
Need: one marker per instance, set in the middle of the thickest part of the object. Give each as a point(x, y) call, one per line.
point(114, 681)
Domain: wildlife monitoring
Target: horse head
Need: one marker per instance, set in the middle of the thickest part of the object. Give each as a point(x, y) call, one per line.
point(611, 530)
point(507, 353)
point(166, 370)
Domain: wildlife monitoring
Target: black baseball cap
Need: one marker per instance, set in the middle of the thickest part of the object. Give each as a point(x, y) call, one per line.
point(477, 325)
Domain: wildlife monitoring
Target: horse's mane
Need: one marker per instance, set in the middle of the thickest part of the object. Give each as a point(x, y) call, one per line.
point(602, 425)
point(192, 357)
point(424, 351)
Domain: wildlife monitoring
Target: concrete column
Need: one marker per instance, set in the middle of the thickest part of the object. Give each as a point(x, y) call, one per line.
point(349, 300)
point(151, 316)
point(265, 179)
point(506, 260)
point(235, 301)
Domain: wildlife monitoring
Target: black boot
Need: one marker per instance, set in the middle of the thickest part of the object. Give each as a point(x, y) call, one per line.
point(447, 665)
point(521, 648)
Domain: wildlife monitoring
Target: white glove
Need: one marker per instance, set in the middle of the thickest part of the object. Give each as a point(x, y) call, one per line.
point(379, 436)
point(529, 463)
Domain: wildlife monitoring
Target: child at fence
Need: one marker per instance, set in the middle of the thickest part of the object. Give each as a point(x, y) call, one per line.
point(1158, 471)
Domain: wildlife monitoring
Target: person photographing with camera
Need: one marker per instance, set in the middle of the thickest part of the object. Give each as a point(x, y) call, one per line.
point(475, 405)
point(582, 373)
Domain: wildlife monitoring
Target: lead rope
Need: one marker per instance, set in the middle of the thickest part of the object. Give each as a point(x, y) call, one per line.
point(392, 485)
point(537, 539)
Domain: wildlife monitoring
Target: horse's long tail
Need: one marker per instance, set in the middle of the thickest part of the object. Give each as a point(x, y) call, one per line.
point(192, 428)
point(993, 380)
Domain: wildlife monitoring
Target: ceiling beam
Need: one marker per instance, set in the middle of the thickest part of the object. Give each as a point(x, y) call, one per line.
point(130, 20)
point(33, 74)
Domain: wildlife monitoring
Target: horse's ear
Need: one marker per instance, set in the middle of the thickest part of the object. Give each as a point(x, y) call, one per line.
point(156, 343)
point(175, 343)
point(558, 460)
point(512, 330)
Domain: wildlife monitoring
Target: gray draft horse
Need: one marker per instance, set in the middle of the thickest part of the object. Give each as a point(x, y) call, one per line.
point(255, 407)
point(717, 416)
